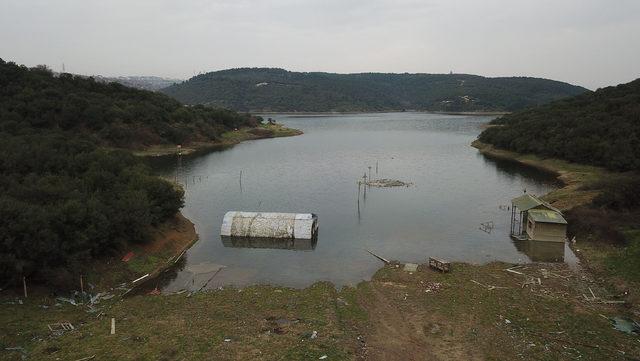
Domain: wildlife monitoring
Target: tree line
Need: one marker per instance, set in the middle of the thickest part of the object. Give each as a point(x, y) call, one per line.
point(600, 128)
point(109, 113)
point(267, 89)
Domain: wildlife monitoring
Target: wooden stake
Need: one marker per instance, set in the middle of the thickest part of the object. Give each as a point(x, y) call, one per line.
point(24, 284)
point(113, 326)
point(81, 287)
point(378, 257)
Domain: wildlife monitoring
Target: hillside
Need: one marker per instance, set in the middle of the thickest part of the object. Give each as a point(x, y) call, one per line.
point(600, 128)
point(65, 198)
point(109, 114)
point(264, 89)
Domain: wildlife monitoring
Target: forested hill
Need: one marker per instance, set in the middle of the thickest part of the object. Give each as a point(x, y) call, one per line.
point(109, 113)
point(600, 128)
point(266, 89)
point(65, 199)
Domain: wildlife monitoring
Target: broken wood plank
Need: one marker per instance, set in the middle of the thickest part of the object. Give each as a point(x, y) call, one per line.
point(86, 358)
point(512, 271)
point(439, 264)
point(378, 257)
point(141, 278)
point(179, 256)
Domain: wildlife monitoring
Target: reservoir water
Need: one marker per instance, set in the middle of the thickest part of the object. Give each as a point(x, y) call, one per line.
point(454, 189)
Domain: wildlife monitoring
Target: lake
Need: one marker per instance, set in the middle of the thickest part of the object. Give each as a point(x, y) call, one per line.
point(454, 190)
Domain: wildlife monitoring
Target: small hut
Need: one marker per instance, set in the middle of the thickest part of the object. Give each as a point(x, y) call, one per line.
point(535, 219)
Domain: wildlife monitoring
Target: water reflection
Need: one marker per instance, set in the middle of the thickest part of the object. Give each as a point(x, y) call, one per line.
point(295, 244)
point(514, 170)
point(541, 251)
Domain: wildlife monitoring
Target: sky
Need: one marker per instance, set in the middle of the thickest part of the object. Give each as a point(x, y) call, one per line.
point(592, 43)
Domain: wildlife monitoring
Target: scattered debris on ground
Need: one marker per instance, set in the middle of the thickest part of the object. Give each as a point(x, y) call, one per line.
point(60, 328)
point(494, 311)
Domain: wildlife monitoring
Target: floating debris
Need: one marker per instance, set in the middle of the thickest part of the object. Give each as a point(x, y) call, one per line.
point(386, 183)
point(486, 226)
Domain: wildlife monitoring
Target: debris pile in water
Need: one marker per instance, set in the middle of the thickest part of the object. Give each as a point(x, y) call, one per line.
point(384, 183)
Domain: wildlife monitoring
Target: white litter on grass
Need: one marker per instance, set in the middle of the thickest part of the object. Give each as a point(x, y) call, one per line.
point(227, 340)
point(314, 334)
point(323, 357)
point(410, 267)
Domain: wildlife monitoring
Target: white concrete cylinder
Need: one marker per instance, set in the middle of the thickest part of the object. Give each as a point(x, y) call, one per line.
point(269, 224)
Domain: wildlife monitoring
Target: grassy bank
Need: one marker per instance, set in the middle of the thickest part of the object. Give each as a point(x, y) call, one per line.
point(169, 241)
point(473, 313)
point(227, 139)
point(579, 181)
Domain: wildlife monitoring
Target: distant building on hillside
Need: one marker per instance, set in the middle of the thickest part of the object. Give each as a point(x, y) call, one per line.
point(535, 219)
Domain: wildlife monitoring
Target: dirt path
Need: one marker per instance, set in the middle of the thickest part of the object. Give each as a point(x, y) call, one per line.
point(394, 335)
point(399, 330)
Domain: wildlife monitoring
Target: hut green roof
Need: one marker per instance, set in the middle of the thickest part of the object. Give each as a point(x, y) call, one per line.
point(526, 202)
point(546, 216)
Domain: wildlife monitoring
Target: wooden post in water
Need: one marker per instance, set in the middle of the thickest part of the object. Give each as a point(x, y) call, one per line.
point(376, 167)
point(369, 173)
point(241, 181)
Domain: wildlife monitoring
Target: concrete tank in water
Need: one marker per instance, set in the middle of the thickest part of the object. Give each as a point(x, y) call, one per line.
point(269, 224)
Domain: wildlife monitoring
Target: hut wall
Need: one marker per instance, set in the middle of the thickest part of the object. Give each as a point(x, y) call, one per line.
point(553, 232)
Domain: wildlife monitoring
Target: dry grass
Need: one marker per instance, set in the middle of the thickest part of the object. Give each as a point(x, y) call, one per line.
point(388, 318)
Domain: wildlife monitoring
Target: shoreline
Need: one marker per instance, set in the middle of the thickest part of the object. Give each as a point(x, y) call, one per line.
point(170, 241)
point(330, 113)
point(575, 178)
point(227, 139)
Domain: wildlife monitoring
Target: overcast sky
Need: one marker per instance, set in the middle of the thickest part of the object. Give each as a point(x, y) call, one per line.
point(592, 43)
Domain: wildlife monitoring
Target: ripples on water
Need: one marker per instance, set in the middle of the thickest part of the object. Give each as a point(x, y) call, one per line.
point(454, 190)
